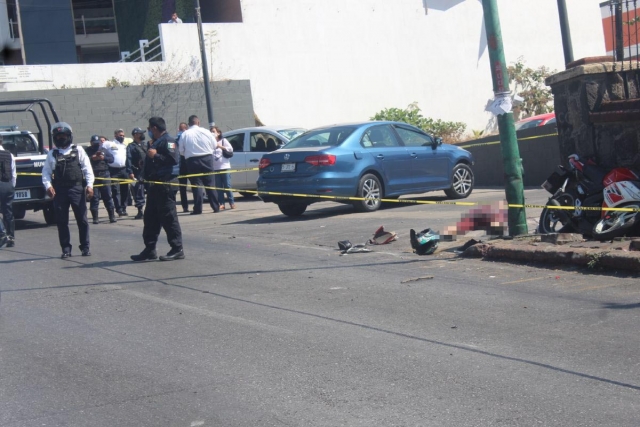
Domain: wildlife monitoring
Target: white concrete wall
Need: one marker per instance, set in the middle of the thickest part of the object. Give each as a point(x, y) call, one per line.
point(313, 63)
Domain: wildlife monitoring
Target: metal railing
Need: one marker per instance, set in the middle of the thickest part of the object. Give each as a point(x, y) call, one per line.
point(625, 21)
point(85, 26)
point(148, 51)
point(14, 30)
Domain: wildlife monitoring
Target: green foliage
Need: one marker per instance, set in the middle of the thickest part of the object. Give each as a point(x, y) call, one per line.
point(529, 84)
point(450, 132)
point(114, 82)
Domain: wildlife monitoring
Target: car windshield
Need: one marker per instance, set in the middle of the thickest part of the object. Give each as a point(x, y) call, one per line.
point(291, 133)
point(20, 144)
point(322, 137)
point(527, 124)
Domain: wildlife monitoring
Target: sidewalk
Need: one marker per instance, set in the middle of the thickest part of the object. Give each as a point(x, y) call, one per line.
point(567, 249)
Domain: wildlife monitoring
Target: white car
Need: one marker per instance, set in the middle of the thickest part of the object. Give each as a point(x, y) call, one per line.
point(249, 144)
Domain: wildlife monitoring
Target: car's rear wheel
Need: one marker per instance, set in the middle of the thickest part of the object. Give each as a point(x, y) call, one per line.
point(461, 182)
point(49, 214)
point(292, 209)
point(370, 189)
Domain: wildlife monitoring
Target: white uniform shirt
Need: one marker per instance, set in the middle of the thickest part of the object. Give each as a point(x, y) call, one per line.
point(14, 175)
point(50, 166)
point(220, 162)
point(196, 142)
point(119, 151)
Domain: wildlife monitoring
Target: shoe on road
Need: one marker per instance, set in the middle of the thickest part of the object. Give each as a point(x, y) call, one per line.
point(145, 255)
point(173, 255)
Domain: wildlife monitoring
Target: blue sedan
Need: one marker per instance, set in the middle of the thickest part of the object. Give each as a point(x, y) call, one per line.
point(371, 161)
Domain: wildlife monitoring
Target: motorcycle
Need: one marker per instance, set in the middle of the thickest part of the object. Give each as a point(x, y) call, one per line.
point(622, 194)
point(580, 186)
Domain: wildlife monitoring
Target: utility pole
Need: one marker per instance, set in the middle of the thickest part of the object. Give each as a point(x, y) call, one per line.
point(511, 160)
point(619, 34)
point(567, 47)
point(205, 70)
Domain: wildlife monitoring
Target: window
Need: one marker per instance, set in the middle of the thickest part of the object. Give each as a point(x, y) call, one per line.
point(19, 144)
point(322, 137)
point(378, 137)
point(264, 142)
point(237, 142)
point(411, 138)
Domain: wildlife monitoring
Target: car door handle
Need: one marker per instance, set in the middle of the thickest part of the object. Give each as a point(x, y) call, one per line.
point(254, 160)
point(380, 156)
point(414, 155)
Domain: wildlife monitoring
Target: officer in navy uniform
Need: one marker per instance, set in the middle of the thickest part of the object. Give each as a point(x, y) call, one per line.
point(100, 158)
point(136, 153)
point(7, 190)
point(160, 170)
point(68, 179)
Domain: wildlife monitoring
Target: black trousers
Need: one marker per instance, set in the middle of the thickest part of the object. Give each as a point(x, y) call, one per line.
point(102, 192)
point(183, 184)
point(160, 213)
point(119, 190)
point(203, 164)
point(138, 193)
point(7, 225)
point(75, 198)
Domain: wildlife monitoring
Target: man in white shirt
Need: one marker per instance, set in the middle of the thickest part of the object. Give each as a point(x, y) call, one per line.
point(174, 19)
point(68, 178)
point(118, 170)
point(8, 178)
point(197, 145)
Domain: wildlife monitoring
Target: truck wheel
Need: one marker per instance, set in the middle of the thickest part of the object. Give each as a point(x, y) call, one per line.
point(49, 214)
point(18, 213)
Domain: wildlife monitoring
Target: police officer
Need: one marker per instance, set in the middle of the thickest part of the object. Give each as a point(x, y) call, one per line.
point(100, 158)
point(161, 169)
point(136, 153)
point(7, 190)
point(68, 179)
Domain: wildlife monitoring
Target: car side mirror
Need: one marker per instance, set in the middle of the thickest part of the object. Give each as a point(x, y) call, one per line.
point(437, 142)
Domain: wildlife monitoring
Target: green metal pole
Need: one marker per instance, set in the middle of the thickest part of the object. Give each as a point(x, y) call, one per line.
point(514, 188)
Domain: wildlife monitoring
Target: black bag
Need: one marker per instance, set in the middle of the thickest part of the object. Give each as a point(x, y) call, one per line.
point(227, 154)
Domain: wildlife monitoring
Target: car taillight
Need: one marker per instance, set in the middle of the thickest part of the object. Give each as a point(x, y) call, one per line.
point(321, 160)
point(264, 163)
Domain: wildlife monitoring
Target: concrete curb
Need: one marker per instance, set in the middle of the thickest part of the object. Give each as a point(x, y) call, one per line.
point(597, 255)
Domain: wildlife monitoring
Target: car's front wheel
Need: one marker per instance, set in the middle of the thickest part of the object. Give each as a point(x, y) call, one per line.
point(49, 214)
point(370, 189)
point(292, 209)
point(461, 182)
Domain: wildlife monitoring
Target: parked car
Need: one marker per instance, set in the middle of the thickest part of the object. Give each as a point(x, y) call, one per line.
point(249, 144)
point(534, 121)
point(30, 151)
point(373, 160)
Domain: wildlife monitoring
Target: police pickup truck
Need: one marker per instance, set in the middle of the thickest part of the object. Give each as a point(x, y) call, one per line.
point(30, 153)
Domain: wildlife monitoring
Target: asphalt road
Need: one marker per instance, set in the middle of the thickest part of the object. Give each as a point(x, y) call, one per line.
point(265, 324)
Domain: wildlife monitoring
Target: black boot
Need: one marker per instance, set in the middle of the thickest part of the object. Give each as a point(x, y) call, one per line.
point(146, 255)
point(112, 216)
point(140, 214)
point(94, 214)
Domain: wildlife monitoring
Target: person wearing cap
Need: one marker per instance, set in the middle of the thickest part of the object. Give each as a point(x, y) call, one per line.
point(161, 172)
point(68, 179)
point(118, 170)
point(136, 153)
point(100, 158)
point(8, 178)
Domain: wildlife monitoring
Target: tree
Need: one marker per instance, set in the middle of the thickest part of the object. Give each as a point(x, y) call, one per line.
point(529, 84)
point(450, 132)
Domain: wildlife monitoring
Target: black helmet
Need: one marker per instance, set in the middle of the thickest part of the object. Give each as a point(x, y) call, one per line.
point(95, 139)
point(424, 242)
point(62, 134)
point(136, 130)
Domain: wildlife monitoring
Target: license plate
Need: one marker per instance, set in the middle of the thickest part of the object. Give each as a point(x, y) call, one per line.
point(288, 167)
point(22, 194)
